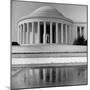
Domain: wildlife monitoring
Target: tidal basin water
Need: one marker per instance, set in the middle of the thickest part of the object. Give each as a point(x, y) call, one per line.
point(48, 76)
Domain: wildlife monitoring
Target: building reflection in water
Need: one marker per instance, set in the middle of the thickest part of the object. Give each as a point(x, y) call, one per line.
point(49, 76)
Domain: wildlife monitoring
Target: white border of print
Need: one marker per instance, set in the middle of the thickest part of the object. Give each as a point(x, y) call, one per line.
point(5, 44)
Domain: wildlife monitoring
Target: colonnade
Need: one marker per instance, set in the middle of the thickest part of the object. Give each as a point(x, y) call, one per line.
point(54, 32)
point(80, 31)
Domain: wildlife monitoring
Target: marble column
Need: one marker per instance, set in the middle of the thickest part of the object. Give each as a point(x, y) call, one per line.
point(56, 32)
point(23, 33)
point(18, 34)
point(61, 33)
point(80, 32)
point(21, 26)
point(25, 40)
point(32, 32)
point(50, 32)
point(38, 32)
point(27, 33)
point(68, 31)
point(66, 34)
point(44, 32)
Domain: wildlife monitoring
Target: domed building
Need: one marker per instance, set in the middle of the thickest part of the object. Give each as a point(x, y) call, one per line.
point(45, 25)
point(46, 55)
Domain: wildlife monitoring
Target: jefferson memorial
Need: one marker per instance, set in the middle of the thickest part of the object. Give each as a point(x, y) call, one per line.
point(47, 25)
point(46, 55)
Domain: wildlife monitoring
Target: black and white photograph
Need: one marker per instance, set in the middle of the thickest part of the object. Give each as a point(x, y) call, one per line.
point(49, 44)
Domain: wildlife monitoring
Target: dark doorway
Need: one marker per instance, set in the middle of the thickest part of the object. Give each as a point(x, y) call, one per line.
point(53, 33)
point(78, 31)
point(41, 32)
point(47, 33)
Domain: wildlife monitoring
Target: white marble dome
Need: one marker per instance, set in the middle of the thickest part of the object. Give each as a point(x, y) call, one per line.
point(46, 12)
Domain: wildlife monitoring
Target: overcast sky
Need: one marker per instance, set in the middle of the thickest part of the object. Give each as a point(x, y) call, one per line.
point(19, 9)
